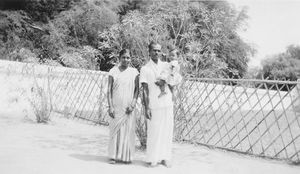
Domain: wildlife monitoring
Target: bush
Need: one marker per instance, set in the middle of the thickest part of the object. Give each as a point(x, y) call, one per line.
point(40, 104)
point(141, 128)
point(85, 57)
point(23, 55)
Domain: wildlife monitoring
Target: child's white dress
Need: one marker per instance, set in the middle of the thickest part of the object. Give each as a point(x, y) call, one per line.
point(171, 73)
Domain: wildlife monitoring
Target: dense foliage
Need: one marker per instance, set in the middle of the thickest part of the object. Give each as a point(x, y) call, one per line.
point(283, 66)
point(89, 33)
point(204, 32)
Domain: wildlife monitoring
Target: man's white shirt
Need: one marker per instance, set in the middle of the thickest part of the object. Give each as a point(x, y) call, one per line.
point(149, 74)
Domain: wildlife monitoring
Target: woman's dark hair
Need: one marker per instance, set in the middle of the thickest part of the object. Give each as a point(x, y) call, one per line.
point(123, 51)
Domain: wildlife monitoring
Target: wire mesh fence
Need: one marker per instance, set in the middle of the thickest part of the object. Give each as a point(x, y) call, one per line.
point(80, 95)
point(258, 117)
point(251, 116)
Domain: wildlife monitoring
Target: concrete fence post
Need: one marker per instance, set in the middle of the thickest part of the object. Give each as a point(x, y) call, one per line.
point(296, 96)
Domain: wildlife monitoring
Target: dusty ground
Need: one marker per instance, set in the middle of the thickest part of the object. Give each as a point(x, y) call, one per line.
point(66, 146)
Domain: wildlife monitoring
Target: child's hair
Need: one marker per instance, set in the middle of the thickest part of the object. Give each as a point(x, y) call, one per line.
point(152, 43)
point(163, 57)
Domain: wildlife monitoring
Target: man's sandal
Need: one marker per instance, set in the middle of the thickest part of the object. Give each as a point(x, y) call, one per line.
point(112, 161)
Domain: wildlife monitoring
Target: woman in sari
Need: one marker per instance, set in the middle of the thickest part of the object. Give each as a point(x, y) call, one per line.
point(123, 89)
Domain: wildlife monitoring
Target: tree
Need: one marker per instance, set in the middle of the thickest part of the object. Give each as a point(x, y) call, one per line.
point(130, 5)
point(205, 32)
point(81, 24)
point(283, 66)
point(208, 29)
point(45, 10)
point(293, 51)
point(49, 29)
point(13, 30)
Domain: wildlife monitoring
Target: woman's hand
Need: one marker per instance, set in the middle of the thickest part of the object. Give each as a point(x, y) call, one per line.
point(160, 82)
point(129, 110)
point(148, 113)
point(111, 112)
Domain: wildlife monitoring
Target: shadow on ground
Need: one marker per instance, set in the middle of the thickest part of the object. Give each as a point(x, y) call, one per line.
point(86, 157)
point(103, 159)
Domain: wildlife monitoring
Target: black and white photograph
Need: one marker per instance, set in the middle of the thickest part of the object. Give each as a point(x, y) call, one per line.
point(149, 86)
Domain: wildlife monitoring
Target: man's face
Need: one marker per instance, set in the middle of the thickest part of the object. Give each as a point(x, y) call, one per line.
point(155, 52)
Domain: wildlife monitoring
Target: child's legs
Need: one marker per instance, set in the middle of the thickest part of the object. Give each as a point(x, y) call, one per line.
point(162, 88)
point(162, 85)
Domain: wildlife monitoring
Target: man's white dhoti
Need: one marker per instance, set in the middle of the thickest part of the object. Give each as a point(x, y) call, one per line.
point(160, 133)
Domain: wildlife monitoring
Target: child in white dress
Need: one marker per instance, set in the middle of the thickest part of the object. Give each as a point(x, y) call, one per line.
point(170, 75)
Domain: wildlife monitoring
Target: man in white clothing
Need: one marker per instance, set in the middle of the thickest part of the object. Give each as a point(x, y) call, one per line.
point(158, 110)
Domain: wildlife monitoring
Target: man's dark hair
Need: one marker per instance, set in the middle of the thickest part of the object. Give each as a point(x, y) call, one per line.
point(152, 43)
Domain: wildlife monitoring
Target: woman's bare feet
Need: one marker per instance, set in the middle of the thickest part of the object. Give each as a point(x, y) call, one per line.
point(166, 163)
point(151, 165)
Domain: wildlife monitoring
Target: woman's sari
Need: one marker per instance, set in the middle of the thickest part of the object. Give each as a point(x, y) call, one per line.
point(122, 127)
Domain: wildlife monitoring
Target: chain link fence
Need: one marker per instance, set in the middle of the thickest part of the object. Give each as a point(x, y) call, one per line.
point(257, 117)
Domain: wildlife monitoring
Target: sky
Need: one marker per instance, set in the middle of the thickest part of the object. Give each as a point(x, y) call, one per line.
point(272, 26)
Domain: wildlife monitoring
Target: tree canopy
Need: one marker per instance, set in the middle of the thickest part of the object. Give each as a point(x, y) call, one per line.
point(204, 32)
point(283, 66)
point(89, 33)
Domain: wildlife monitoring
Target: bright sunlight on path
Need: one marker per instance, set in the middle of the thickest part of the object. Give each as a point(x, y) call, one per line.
point(65, 146)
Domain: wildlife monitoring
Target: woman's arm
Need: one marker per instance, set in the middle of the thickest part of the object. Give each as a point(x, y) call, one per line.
point(135, 95)
point(109, 97)
point(136, 90)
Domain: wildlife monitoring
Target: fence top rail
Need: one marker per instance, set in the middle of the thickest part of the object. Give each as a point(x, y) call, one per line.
point(41, 69)
point(244, 80)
